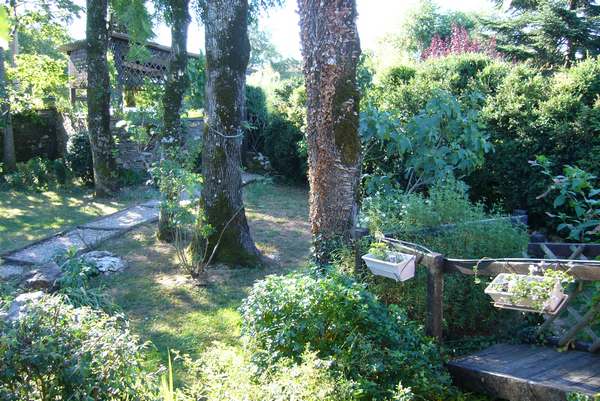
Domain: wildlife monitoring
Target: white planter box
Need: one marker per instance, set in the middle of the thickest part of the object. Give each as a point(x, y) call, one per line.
point(503, 298)
point(402, 270)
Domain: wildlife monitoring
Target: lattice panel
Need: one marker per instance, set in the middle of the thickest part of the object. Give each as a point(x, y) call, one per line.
point(134, 74)
point(130, 74)
point(579, 318)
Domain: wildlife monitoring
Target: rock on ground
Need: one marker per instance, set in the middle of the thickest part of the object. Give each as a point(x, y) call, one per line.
point(19, 306)
point(43, 277)
point(104, 261)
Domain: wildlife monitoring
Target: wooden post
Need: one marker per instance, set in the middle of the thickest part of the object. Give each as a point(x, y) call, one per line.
point(435, 297)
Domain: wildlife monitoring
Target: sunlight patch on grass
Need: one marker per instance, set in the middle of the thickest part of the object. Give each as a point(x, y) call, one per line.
point(29, 216)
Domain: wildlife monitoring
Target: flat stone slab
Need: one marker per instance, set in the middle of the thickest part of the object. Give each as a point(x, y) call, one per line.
point(11, 271)
point(125, 219)
point(45, 251)
point(154, 203)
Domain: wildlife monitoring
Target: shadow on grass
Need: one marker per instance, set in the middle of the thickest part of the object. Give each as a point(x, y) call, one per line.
point(167, 308)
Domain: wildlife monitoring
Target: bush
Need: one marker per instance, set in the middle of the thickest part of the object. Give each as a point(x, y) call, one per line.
point(525, 110)
point(58, 352)
point(226, 374)
point(79, 157)
point(371, 345)
point(37, 174)
point(282, 147)
point(418, 219)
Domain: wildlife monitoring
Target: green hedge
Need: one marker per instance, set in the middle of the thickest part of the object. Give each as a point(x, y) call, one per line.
point(525, 110)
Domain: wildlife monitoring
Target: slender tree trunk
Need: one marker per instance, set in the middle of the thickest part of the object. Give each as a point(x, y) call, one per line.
point(227, 55)
point(98, 99)
point(9, 155)
point(330, 49)
point(175, 87)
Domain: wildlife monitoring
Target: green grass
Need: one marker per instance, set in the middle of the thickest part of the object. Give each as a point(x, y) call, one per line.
point(29, 216)
point(171, 311)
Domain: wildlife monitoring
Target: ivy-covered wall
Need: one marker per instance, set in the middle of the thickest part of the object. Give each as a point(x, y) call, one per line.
point(38, 133)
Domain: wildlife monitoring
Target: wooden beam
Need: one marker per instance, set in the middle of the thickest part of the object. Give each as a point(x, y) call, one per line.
point(582, 270)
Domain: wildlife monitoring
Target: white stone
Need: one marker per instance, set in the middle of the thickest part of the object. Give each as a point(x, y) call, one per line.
point(105, 261)
point(19, 306)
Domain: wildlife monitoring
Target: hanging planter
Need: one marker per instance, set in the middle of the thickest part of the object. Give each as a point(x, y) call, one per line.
point(395, 265)
point(529, 293)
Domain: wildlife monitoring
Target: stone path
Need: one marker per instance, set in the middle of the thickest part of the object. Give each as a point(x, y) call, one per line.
point(84, 237)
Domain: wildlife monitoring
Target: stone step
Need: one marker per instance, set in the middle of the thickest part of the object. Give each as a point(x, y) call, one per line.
point(125, 219)
point(44, 251)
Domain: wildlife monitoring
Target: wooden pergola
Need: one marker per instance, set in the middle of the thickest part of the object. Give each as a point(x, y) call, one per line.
point(130, 74)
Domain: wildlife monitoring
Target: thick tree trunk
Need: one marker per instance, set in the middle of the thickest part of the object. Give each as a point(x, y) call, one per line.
point(98, 99)
point(9, 159)
point(175, 87)
point(330, 49)
point(227, 55)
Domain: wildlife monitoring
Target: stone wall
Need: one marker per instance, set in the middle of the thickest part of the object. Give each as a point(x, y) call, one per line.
point(45, 133)
point(36, 135)
point(139, 157)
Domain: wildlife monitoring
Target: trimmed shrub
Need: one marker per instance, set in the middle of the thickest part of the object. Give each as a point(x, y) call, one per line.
point(58, 352)
point(79, 157)
point(375, 347)
point(283, 148)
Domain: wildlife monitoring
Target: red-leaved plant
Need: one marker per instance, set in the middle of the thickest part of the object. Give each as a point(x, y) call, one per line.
point(459, 42)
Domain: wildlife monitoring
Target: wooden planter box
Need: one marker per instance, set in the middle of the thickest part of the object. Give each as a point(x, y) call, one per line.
point(503, 298)
point(402, 270)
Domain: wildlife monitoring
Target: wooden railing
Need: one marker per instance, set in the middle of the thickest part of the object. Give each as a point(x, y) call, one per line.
point(437, 266)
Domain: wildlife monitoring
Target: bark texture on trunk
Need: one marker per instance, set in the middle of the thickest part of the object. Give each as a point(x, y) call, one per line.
point(98, 99)
point(227, 54)
point(9, 159)
point(177, 78)
point(175, 87)
point(331, 49)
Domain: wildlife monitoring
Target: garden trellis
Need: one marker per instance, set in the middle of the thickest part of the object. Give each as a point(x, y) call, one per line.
point(130, 74)
point(506, 371)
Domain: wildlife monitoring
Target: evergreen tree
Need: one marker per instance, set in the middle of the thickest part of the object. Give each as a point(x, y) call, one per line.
point(549, 32)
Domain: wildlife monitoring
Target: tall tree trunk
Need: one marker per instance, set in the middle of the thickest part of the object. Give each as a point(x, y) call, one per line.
point(98, 99)
point(175, 87)
point(227, 55)
point(330, 49)
point(9, 156)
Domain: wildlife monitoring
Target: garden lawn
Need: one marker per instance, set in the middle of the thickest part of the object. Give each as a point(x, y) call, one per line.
point(29, 216)
point(169, 309)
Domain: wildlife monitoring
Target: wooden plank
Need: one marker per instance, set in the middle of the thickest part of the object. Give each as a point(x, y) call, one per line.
point(582, 270)
point(528, 373)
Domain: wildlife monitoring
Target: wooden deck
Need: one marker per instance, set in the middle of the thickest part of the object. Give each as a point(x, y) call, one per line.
point(528, 373)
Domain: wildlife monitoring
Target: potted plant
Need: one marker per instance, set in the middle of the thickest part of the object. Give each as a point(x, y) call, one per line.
point(539, 291)
point(384, 262)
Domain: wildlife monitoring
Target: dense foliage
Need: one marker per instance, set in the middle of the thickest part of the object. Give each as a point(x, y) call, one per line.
point(448, 223)
point(376, 347)
point(227, 374)
point(58, 352)
point(525, 112)
point(552, 32)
